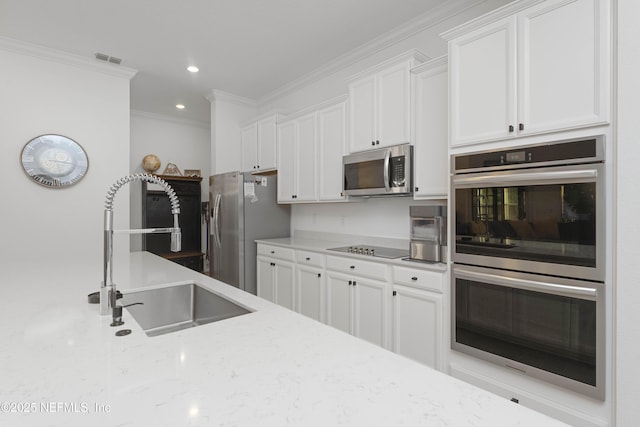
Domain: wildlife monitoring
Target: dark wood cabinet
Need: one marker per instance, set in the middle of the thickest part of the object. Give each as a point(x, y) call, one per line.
point(156, 212)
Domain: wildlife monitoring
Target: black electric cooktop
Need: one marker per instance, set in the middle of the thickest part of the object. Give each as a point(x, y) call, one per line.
point(371, 250)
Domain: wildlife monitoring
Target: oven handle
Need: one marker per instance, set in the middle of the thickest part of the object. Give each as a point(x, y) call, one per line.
point(529, 285)
point(509, 179)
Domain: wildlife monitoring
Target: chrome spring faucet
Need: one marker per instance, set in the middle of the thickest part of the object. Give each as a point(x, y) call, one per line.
point(108, 288)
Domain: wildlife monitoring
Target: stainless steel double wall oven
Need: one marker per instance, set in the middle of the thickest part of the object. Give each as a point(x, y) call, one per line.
point(529, 260)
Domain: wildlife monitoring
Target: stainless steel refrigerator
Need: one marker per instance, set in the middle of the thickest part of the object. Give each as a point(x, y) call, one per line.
point(243, 208)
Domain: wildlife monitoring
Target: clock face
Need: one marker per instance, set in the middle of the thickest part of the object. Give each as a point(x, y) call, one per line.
point(54, 161)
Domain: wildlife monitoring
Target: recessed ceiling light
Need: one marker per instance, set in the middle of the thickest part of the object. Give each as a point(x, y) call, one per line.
point(180, 106)
point(193, 69)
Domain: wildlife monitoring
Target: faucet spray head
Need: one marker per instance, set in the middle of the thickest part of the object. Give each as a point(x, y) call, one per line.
point(176, 241)
point(176, 233)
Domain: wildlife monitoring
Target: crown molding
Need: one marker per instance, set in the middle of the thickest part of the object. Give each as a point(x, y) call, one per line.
point(219, 95)
point(414, 54)
point(435, 63)
point(422, 22)
point(502, 12)
point(316, 107)
point(166, 118)
point(49, 54)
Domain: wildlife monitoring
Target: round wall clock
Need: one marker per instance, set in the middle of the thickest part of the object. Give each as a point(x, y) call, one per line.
point(54, 161)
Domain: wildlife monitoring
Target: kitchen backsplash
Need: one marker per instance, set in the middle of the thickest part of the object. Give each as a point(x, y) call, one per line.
point(380, 217)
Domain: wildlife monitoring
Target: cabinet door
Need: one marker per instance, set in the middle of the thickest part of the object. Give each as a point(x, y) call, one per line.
point(267, 143)
point(431, 156)
point(331, 145)
point(393, 105)
point(286, 162)
point(283, 284)
point(264, 277)
point(310, 292)
point(306, 158)
point(483, 84)
point(370, 310)
point(563, 68)
point(362, 113)
point(417, 325)
point(339, 301)
point(250, 147)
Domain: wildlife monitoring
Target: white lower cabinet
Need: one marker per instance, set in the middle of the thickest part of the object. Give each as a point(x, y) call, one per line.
point(358, 305)
point(416, 324)
point(396, 307)
point(417, 321)
point(310, 285)
point(310, 290)
point(275, 277)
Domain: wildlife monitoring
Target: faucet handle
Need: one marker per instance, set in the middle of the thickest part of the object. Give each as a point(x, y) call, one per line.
point(117, 316)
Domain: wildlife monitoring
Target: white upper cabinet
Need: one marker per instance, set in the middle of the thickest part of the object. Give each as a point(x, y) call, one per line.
point(250, 147)
point(482, 84)
point(564, 65)
point(380, 104)
point(332, 137)
point(310, 150)
point(362, 113)
point(532, 70)
point(305, 158)
point(286, 161)
point(297, 160)
point(430, 124)
point(259, 145)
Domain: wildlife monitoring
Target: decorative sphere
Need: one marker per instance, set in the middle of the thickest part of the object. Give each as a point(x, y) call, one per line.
point(151, 163)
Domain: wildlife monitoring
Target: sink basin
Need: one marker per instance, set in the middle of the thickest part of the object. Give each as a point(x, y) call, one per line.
point(163, 310)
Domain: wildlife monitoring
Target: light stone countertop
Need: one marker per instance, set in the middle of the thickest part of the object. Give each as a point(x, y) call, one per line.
point(62, 365)
point(322, 242)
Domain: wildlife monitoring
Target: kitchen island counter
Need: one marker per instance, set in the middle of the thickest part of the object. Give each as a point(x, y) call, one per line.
point(61, 364)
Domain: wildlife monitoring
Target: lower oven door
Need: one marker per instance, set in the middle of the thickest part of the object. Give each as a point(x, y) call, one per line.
point(546, 327)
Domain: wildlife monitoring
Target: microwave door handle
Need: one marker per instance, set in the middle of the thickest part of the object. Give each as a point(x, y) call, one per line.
point(512, 178)
point(387, 159)
point(530, 285)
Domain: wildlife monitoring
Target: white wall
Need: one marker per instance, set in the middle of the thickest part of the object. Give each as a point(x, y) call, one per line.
point(627, 301)
point(48, 92)
point(187, 144)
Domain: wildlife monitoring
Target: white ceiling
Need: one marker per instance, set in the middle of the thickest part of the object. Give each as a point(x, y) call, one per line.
point(248, 48)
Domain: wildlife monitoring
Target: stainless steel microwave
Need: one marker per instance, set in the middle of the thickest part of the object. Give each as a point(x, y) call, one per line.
point(383, 171)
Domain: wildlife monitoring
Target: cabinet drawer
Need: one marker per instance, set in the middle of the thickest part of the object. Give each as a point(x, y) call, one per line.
point(310, 258)
point(424, 279)
point(373, 270)
point(276, 252)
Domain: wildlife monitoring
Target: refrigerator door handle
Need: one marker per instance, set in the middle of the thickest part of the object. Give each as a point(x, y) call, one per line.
point(216, 219)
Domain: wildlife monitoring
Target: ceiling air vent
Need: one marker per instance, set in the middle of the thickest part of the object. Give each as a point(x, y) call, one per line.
point(107, 58)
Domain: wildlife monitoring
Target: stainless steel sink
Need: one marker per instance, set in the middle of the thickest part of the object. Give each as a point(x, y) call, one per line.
point(168, 309)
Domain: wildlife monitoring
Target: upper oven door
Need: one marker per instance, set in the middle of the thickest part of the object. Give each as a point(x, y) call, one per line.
point(543, 220)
